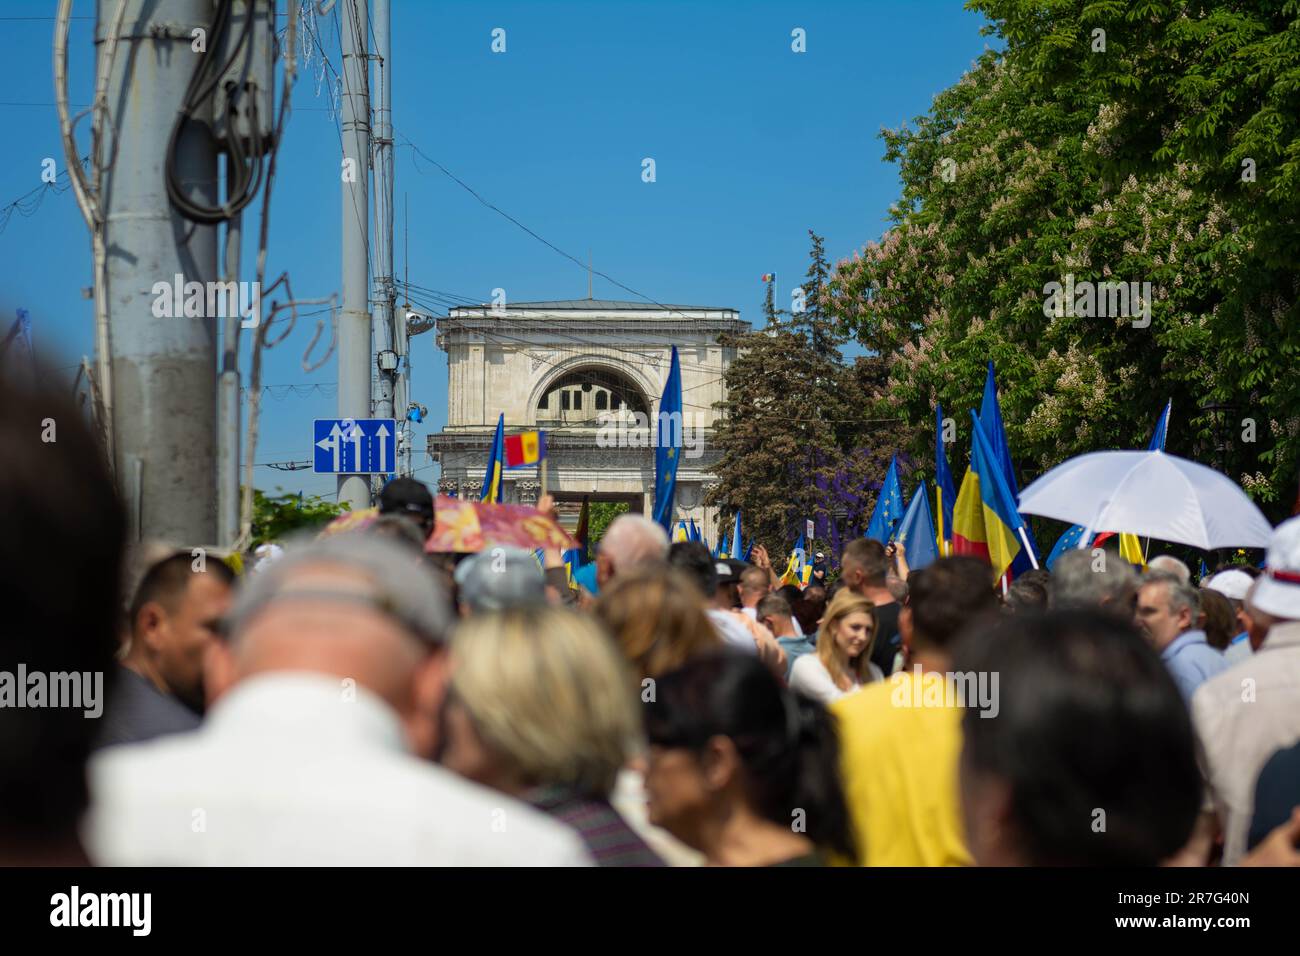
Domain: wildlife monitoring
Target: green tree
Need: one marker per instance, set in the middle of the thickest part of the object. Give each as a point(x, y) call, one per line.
point(275, 516)
point(813, 321)
point(770, 313)
point(792, 423)
point(599, 516)
point(1030, 170)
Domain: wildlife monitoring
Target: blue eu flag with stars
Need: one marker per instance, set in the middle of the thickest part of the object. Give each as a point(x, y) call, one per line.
point(668, 445)
point(889, 506)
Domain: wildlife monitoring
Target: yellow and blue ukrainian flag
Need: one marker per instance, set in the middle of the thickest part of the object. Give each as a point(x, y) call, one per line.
point(945, 493)
point(492, 485)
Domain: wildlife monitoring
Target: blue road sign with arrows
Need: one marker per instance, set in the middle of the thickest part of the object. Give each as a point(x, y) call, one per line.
point(355, 446)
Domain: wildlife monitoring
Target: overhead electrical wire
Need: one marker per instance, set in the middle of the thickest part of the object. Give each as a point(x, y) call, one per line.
point(30, 202)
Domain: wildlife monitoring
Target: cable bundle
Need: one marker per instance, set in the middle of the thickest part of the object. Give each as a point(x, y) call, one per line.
point(244, 168)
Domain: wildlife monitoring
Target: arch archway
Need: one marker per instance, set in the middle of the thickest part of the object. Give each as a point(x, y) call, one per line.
point(577, 394)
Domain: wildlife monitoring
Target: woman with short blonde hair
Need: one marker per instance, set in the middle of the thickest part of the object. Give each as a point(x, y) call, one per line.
point(542, 707)
point(842, 662)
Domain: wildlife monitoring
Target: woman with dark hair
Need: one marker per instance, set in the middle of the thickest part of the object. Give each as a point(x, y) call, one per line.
point(808, 610)
point(1218, 619)
point(741, 769)
point(1091, 760)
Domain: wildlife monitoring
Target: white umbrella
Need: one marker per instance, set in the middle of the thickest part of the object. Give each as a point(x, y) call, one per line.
point(1150, 494)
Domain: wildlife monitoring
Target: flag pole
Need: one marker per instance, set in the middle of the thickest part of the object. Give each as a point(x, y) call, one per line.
point(1025, 538)
point(1091, 528)
point(1167, 414)
point(541, 474)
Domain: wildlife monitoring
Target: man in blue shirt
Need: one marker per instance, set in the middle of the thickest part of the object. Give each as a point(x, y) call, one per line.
point(774, 613)
point(1167, 612)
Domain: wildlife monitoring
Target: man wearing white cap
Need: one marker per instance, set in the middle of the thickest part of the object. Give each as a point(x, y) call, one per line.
point(1235, 585)
point(1251, 710)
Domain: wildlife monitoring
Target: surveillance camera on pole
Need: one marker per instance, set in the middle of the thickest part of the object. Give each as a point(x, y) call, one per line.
point(418, 322)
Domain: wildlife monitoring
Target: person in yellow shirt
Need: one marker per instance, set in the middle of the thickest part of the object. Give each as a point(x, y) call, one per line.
point(900, 739)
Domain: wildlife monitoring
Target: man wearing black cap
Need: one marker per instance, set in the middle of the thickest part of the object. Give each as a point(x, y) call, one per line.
point(410, 499)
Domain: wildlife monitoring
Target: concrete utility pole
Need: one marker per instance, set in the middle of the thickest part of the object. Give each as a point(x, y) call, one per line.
point(387, 339)
point(163, 369)
point(356, 360)
point(228, 414)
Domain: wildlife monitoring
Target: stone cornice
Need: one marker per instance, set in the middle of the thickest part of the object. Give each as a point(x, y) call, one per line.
point(480, 441)
point(500, 325)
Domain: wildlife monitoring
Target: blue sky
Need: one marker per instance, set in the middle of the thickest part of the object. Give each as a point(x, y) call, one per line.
point(753, 145)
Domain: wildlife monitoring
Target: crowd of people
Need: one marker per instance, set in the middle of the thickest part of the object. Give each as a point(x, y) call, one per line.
point(351, 699)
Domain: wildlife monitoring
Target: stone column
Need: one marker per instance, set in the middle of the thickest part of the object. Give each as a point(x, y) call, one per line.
point(528, 492)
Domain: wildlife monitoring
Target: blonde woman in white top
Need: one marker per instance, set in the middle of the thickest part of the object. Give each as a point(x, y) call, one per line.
point(842, 661)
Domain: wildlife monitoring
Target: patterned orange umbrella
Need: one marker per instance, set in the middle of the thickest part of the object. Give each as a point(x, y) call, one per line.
point(466, 525)
point(350, 521)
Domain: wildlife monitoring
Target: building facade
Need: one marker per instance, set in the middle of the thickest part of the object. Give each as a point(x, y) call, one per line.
point(590, 373)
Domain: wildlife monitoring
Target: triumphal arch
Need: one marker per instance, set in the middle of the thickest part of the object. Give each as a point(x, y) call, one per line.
point(590, 373)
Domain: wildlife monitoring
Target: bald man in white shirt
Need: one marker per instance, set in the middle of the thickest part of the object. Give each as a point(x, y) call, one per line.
point(316, 749)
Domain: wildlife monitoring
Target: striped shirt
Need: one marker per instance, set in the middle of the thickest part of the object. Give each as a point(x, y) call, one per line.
point(609, 839)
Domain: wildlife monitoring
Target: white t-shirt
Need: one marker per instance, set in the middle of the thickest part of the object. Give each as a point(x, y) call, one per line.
point(732, 631)
point(287, 775)
point(810, 677)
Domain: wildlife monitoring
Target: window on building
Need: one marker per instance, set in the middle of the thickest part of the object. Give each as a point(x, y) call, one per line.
point(613, 390)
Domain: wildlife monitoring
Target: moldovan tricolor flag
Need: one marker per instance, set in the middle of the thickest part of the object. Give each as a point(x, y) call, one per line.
point(526, 449)
point(984, 519)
